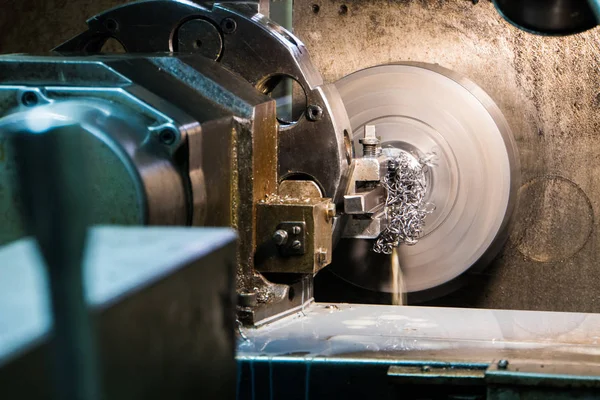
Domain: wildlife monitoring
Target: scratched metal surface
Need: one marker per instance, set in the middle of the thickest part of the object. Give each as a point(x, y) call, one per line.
point(548, 88)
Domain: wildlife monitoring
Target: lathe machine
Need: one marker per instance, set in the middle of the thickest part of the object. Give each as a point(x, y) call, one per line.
point(183, 181)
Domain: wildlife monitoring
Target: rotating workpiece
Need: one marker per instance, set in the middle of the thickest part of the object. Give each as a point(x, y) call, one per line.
point(471, 175)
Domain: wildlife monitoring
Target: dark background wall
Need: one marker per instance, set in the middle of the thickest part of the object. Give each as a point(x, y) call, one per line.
point(40, 25)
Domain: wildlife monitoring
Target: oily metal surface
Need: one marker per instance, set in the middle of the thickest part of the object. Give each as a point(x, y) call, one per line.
point(474, 179)
point(547, 87)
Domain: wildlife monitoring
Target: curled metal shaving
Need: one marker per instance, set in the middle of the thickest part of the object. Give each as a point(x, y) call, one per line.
point(405, 205)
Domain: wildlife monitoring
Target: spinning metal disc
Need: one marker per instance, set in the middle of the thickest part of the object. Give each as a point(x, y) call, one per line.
point(423, 109)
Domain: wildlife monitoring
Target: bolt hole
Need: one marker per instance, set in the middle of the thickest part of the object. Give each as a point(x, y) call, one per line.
point(111, 25)
point(198, 44)
point(343, 9)
point(167, 136)
point(228, 25)
point(29, 99)
point(316, 8)
point(289, 96)
point(291, 294)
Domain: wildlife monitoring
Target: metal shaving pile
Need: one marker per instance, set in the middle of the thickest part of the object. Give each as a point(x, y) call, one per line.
point(405, 205)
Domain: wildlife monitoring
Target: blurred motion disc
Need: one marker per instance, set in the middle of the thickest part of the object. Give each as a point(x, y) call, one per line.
point(427, 109)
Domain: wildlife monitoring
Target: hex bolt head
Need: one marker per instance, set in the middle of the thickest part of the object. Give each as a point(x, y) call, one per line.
point(502, 364)
point(296, 245)
point(280, 237)
point(296, 230)
point(314, 112)
point(370, 142)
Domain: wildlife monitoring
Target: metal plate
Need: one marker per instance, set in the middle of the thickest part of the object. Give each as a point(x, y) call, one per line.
point(428, 109)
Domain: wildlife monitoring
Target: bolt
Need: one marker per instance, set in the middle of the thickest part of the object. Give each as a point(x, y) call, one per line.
point(296, 245)
point(425, 368)
point(280, 237)
point(314, 112)
point(322, 256)
point(228, 25)
point(370, 142)
point(502, 364)
point(296, 230)
point(330, 211)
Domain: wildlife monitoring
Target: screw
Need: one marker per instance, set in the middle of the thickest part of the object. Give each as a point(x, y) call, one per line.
point(296, 245)
point(370, 142)
point(296, 230)
point(425, 368)
point(502, 364)
point(167, 136)
point(280, 237)
point(29, 99)
point(316, 8)
point(330, 211)
point(314, 112)
point(228, 25)
point(343, 9)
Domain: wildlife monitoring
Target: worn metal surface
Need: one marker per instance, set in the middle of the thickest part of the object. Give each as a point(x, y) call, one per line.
point(548, 90)
point(357, 351)
point(138, 123)
point(151, 291)
point(260, 51)
point(314, 242)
